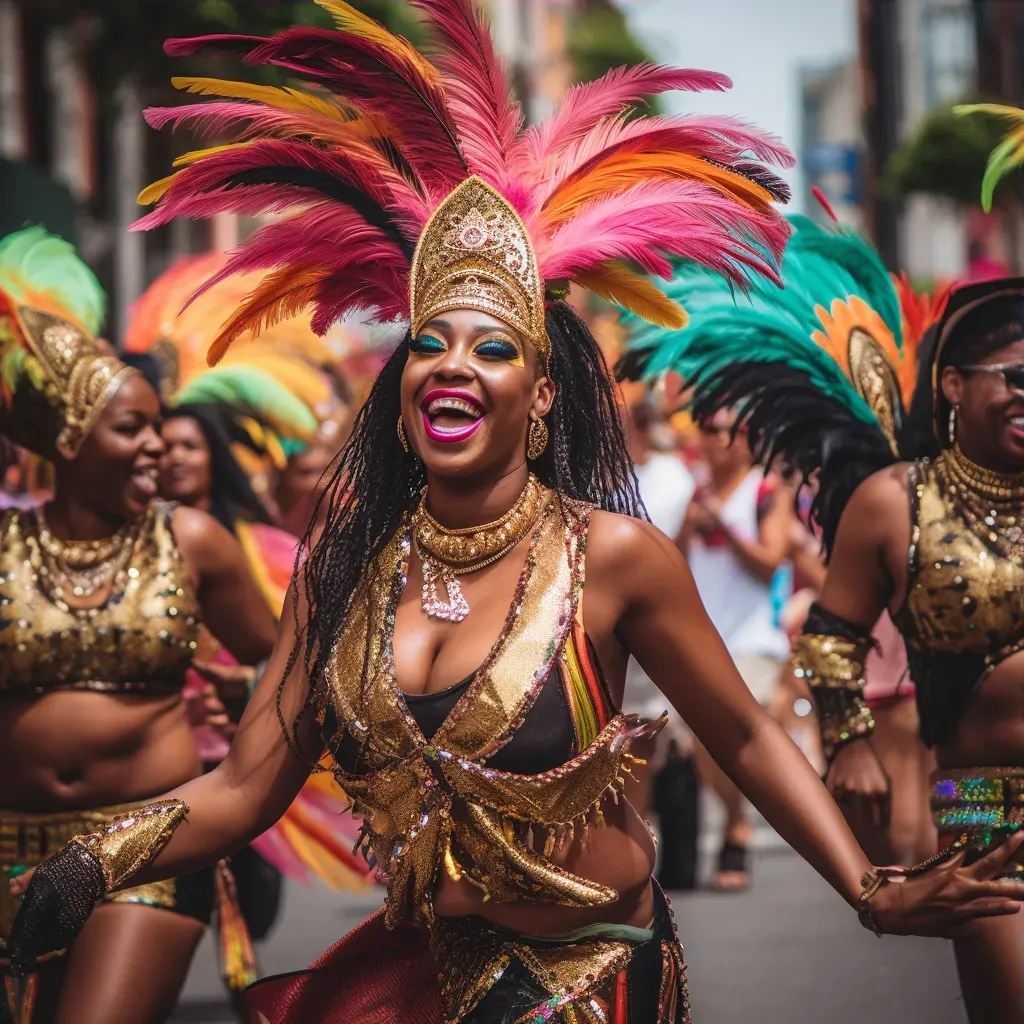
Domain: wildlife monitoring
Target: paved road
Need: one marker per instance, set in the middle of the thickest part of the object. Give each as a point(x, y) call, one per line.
point(786, 952)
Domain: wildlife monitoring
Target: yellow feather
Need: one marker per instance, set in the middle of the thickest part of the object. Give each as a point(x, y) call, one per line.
point(348, 19)
point(282, 99)
point(195, 155)
point(151, 193)
point(280, 296)
point(622, 286)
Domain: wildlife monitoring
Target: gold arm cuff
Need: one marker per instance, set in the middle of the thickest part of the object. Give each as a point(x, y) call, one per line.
point(830, 661)
point(128, 840)
point(833, 667)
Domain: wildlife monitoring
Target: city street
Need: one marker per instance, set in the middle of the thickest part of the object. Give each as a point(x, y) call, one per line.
point(786, 952)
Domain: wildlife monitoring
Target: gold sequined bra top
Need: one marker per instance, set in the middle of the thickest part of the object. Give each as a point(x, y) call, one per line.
point(438, 805)
point(141, 639)
point(964, 611)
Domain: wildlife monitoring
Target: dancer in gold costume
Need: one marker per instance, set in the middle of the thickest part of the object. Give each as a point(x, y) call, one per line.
point(102, 591)
point(459, 634)
point(920, 505)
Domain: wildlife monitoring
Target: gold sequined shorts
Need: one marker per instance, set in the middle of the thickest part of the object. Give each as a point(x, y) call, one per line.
point(26, 839)
point(976, 808)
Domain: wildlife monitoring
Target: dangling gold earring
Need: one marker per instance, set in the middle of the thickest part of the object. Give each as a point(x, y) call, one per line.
point(536, 437)
point(952, 425)
point(401, 434)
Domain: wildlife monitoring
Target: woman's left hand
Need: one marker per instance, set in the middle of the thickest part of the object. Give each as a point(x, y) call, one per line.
point(942, 899)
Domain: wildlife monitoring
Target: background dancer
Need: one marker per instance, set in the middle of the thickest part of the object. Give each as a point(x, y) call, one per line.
point(104, 591)
point(823, 391)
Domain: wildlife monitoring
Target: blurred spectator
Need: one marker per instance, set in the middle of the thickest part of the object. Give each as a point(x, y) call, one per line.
point(737, 534)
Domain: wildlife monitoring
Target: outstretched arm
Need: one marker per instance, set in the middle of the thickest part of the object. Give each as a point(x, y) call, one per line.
point(664, 625)
point(257, 781)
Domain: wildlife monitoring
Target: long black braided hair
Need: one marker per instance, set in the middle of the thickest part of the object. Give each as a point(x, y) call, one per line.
point(375, 482)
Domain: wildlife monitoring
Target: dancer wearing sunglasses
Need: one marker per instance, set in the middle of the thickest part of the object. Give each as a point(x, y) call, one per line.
point(921, 515)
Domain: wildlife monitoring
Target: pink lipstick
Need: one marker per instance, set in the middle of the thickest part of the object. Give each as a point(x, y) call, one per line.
point(453, 403)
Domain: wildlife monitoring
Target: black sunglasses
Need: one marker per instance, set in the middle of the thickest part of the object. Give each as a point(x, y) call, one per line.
point(1012, 373)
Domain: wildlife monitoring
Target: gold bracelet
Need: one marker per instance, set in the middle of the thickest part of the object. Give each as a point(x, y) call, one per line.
point(871, 882)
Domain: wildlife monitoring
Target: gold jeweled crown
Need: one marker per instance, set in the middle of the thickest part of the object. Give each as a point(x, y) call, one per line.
point(475, 253)
point(79, 378)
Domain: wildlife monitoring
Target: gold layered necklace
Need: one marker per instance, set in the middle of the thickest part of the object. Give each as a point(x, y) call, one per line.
point(83, 566)
point(445, 554)
point(992, 504)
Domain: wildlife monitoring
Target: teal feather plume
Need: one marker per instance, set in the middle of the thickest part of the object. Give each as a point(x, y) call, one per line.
point(769, 353)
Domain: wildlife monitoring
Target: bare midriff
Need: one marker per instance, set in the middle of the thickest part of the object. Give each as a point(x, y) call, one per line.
point(620, 855)
point(991, 731)
point(78, 750)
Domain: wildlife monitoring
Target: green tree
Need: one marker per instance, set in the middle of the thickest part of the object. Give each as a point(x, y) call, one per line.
point(600, 39)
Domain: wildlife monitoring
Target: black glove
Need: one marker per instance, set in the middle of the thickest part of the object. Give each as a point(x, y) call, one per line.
point(63, 893)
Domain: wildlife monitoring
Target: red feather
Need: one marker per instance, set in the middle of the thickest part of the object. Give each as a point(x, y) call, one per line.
point(823, 202)
point(486, 114)
point(368, 73)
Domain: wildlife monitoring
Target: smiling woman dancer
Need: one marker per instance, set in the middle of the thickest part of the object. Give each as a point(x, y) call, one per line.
point(102, 591)
point(929, 531)
point(443, 638)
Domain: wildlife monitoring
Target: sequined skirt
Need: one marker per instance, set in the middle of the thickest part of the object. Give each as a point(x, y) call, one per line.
point(468, 971)
point(27, 838)
point(976, 808)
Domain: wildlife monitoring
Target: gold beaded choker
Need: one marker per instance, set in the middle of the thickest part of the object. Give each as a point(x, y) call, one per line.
point(447, 554)
point(992, 504)
point(83, 566)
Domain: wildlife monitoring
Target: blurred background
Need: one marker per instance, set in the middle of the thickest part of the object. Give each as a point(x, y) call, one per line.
point(861, 90)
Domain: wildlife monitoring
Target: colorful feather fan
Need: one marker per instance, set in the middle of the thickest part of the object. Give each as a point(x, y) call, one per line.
point(821, 371)
point(1008, 155)
point(374, 136)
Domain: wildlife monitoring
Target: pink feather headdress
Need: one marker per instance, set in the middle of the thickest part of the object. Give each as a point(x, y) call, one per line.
point(411, 185)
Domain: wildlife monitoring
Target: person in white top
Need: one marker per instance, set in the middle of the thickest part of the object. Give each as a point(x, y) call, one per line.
point(736, 536)
point(666, 487)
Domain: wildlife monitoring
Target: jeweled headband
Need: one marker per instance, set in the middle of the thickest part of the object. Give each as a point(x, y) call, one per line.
point(963, 302)
point(80, 378)
point(475, 253)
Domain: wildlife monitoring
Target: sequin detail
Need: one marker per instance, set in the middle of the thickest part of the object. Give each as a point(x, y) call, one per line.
point(977, 799)
point(142, 639)
point(432, 806)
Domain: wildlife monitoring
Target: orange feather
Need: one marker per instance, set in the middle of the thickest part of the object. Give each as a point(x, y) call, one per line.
point(617, 283)
point(620, 172)
point(280, 296)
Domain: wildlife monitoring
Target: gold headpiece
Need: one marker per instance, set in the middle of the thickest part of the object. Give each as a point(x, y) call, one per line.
point(78, 378)
point(475, 253)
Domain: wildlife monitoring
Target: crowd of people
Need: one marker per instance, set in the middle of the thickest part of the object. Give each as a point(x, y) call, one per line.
point(457, 615)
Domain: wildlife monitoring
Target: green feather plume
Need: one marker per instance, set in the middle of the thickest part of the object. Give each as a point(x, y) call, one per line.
point(252, 392)
point(1008, 155)
point(40, 269)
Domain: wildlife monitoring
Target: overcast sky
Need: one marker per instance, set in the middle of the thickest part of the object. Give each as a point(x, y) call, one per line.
point(760, 44)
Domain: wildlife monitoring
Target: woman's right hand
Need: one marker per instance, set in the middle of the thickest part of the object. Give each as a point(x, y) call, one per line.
point(857, 777)
point(63, 892)
point(939, 901)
